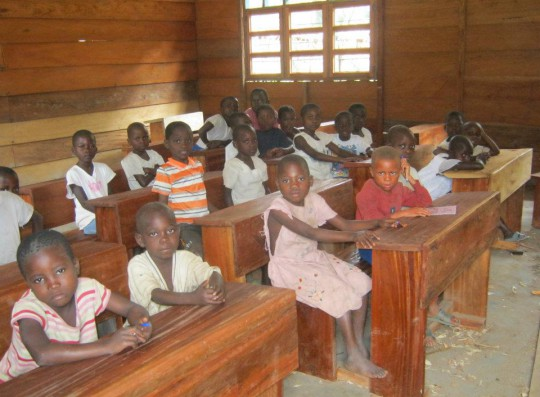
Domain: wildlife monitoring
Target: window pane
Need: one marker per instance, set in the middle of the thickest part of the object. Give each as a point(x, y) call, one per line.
point(265, 44)
point(302, 1)
point(307, 42)
point(348, 63)
point(253, 4)
point(307, 64)
point(264, 22)
point(306, 19)
point(352, 39)
point(351, 16)
point(269, 65)
point(271, 3)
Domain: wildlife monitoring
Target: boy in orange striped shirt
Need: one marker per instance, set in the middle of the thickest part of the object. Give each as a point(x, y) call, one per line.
point(179, 183)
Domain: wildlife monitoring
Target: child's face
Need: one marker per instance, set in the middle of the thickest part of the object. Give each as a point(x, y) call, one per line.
point(344, 128)
point(474, 133)
point(453, 126)
point(139, 139)
point(258, 99)
point(294, 183)
point(85, 149)
point(160, 237)
point(246, 143)
point(52, 276)
point(180, 143)
point(385, 173)
point(462, 155)
point(312, 120)
point(266, 119)
point(287, 121)
point(405, 144)
point(229, 107)
point(359, 119)
point(9, 183)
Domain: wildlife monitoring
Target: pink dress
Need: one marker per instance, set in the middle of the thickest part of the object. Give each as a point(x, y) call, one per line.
point(320, 279)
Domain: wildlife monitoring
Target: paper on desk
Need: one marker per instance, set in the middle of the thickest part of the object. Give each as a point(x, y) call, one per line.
point(448, 210)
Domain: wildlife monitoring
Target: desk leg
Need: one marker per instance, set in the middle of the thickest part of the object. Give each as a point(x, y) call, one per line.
point(536, 208)
point(512, 209)
point(398, 323)
point(218, 246)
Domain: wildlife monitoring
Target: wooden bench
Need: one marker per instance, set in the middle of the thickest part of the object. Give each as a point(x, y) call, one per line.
point(106, 262)
point(245, 347)
point(429, 134)
point(536, 207)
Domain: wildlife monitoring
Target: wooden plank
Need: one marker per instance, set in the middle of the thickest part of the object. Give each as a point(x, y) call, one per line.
point(506, 36)
point(227, 28)
point(502, 12)
point(420, 39)
point(4, 108)
point(35, 55)
point(6, 154)
point(225, 67)
point(219, 48)
point(221, 86)
point(214, 10)
point(37, 80)
point(503, 63)
point(60, 127)
point(19, 30)
point(437, 13)
point(536, 206)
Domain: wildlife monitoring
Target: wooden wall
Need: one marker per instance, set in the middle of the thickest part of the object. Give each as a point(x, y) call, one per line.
point(94, 64)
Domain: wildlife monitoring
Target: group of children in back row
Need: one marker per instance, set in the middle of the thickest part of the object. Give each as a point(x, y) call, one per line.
point(163, 276)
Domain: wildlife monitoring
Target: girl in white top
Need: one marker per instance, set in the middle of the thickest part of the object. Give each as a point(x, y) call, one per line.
point(359, 113)
point(315, 146)
point(244, 176)
point(216, 131)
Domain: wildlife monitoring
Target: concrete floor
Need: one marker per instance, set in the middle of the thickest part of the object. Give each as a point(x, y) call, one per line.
point(496, 362)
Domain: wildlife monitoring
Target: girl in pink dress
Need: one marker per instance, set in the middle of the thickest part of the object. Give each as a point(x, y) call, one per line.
point(321, 280)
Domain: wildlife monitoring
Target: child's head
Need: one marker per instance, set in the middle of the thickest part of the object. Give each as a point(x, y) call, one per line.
point(473, 130)
point(258, 97)
point(179, 140)
point(286, 118)
point(344, 124)
point(401, 137)
point(460, 148)
point(359, 113)
point(453, 123)
point(294, 179)
point(245, 140)
point(84, 146)
point(266, 116)
point(157, 231)
point(311, 117)
point(238, 118)
point(49, 267)
point(385, 167)
point(138, 137)
point(9, 180)
point(228, 106)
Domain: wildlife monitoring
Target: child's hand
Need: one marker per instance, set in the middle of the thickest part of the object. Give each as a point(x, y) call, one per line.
point(415, 211)
point(365, 239)
point(483, 157)
point(149, 171)
point(405, 168)
point(145, 328)
point(206, 295)
point(387, 223)
point(216, 283)
point(122, 339)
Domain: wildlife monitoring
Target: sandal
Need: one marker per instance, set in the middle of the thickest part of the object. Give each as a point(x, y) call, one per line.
point(445, 318)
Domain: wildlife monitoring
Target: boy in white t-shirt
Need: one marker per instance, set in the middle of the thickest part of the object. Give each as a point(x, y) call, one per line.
point(216, 131)
point(359, 112)
point(345, 140)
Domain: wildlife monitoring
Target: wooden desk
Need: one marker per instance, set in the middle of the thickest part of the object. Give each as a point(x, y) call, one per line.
point(506, 173)
point(429, 134)
point(244, 347)
point(536, 207)
point(411, 267)
point(359, 173)
point(271, 167)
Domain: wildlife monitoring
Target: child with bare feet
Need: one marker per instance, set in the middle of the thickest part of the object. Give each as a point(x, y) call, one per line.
point(291, 226)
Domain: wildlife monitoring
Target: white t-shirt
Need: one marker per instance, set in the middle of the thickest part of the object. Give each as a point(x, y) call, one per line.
point(355, 145)
point(431, 175)
point(479, 149)
point(14, 213)
point(94, 186)
point(231, 152)
point(133, 164)
point(318, 169)
point(220, 132)
point(245, 183)
point(367, 139)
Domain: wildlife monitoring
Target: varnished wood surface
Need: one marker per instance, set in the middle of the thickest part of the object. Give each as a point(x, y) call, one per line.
point(241, 348)
point(429, 134)
point(536, 206)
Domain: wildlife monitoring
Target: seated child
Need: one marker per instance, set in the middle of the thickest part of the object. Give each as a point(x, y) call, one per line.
point(453, 125)
point(401, 138)
point(245, 176)
point(287, 119)
point(313, 145)
point(163, 276)
point(180, 184)
point(272, 141)
point(345, 140)
point(86, 180)
point(359, 112)
point(141, 164)
point(258, 97)
point(236, 118)
point(320, 280)
point(14, 213)
point(216, 130)
point(481, 141)
point(54, 321)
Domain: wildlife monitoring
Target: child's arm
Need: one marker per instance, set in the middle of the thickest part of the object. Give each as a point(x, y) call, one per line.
point(205, 294)
point(344, 153)
point(147, 177)
point(493, 147)
point(228, 197)
point(266, 188)
point(81, 196)
point(352, 226)
point(468, 165)
point(37, 222)
point(135, 314)
point(203, 131)
point(302, 144)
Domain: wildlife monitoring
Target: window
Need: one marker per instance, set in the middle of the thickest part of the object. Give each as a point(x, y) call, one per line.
point(309, 39)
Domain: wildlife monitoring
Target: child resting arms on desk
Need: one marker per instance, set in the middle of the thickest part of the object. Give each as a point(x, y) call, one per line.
point(163, 276)
point(291, 227)
point(54, 321)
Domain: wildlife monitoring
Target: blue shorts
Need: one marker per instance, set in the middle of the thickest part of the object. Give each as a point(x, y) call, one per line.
point(90, 228)
point(366, 255)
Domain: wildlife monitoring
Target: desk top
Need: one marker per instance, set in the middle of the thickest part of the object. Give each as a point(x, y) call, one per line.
point(188, 348)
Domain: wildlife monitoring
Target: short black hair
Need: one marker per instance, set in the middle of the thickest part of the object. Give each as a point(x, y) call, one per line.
point(285, 109)
point(454, 114)
point(307, 107)
point(176, 125)
point(135, 126)
point(292, 159)
point(155, 207)
point(344, 114)
point(9, 172)
point(263, 107)
point(472, 125)
point(397, 131)
point(385, 153)
point(357, 106)
point(238, 115)
point(82, 134)
point(36, 242)
point(460, 144)
point(260, 91)
point(227, 98)
point(237, 130)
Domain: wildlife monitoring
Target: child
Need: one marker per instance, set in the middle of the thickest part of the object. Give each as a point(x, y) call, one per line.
point(401, 138)
point(180, 184)
point(54, 321)
point(359, 112)
point(291, 227)
point(245, 176)
point(86, 180)
point(258, 97)
point(141, 164)
point(453, 125)
point(272, 141)
point(287, 119)
point(14, 213)
point(163, 276)
point(481, 141)
point(216, 131)
point(236, 118)
point(312, 145)
point(346, 141)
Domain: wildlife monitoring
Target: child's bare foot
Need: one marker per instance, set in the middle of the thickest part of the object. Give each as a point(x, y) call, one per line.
point(361, 365)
